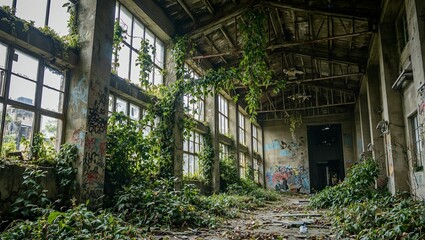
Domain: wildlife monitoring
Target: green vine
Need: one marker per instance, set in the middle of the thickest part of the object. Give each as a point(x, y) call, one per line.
point(253, 66)
point(145, 61)
point(206, 157)
point(118, 38)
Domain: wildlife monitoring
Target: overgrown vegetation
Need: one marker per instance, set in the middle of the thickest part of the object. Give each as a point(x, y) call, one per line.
point(360, 210)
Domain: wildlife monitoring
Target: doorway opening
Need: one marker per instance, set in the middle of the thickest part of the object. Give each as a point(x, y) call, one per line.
point(326, 161)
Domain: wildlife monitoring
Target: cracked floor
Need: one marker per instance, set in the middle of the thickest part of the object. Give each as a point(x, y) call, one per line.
point(276, 220)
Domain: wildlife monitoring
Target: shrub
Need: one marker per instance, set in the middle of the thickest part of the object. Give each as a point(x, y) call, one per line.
point(357, 186)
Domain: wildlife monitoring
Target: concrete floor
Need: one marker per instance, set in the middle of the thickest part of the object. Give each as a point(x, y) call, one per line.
point(277, 220)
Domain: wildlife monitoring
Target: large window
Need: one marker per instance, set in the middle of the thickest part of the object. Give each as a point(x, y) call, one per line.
point(194, 106)
point(191, 148)
point(256, 170)
point(223, 115)
point(31, 98)
point(41, 12)
point(224, 151)
point(126, 57)
point(118, 104)
point(241, 127)
point(416, 141)
point(402, 30)
point(242, 164)
point(255, 139)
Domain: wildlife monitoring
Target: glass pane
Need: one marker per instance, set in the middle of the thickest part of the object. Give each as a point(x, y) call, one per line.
point(19, 125)
point(124, 61)
point(111, 103)
point(3, 56)
point(125, 17)
point(185, 164)
point(190, 164)
point(6, 3)
point(25, 65)
point(134, 112)
point(158, 77)
point(150, 37)
point(185, 145)
point(52, 130)
point(135, 70)
point(58, 17)
point(196, 165)
point(22, 90)
point(138, 33)
point(159, 58)
point(25, 10)
point(54, 79)
point(52, 100)
point(121, 106)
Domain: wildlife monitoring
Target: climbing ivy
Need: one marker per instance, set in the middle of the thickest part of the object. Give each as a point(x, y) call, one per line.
point(206, 156)
point(145, 62)
point(118, 38)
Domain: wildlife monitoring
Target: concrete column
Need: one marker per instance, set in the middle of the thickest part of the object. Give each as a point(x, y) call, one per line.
point(88, 98)
point(375, 110)
point(395, 142)
point(211, 116)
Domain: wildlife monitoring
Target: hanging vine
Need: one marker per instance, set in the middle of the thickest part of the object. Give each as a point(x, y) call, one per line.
point(145, 62)
point(206, 156)
point(118, 38)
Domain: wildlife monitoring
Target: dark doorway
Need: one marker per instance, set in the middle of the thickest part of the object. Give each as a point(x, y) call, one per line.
point(325, 155)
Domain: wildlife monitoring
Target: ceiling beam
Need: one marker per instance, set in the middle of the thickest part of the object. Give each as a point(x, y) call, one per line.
point(209, 7)
point(186, 9)
point(220, 18)
point(325, 78)
point(215, 48)
point(226, 35)
point(360, 15)
point(297, 43)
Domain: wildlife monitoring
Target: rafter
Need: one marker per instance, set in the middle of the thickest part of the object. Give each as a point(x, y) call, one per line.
point(286, 45)
point(226, 35)
point(215, 48)
point(209, 7)
point(321, 11)
point(186, 9)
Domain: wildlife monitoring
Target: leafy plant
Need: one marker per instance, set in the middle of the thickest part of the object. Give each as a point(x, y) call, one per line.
point(357, 186)
point(145, 62)
point(38, 151)
point(228, 172)
point(118, 38)
point(65, 170)
point(206, 157)
point(76, 223)
point(32, 198)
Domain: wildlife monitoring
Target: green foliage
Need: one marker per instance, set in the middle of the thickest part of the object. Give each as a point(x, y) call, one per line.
point(156, 204)
point(206, 157)
point(39, 152)
point(357, 186)
point(76, 223)
point(118, 38)
point(32, 197)
point(145, 62)
point(228, 172)
point(381, 217)
point(127, 157)
point(253, 65)
point(65, 170)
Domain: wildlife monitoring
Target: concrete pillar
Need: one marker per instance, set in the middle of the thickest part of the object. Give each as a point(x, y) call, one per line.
point(375, 110)
point(88, 99)
point(394, 141)
point(211, 116)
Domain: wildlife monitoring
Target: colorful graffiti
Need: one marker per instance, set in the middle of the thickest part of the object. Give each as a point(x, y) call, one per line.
point(293, 150)
point(287, 178)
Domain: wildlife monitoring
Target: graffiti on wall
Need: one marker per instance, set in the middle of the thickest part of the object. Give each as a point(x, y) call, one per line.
point(287, 178)
point(294, 150)
point(78, 99)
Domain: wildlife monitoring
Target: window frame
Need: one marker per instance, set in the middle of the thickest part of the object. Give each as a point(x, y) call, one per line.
point(417, 151)
point(242, 164)
point(130, 44)
point(223, 115)
point(36, 108)
point(242, 128)
point(196, 139)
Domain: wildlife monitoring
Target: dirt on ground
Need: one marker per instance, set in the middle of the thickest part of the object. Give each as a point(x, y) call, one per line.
point(288, 218)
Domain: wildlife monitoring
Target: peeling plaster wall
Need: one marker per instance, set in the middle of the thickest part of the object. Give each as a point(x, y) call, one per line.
point(415, 12)
point(287, 158)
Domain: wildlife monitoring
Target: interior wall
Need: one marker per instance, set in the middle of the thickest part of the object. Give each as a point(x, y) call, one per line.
point(288, 157)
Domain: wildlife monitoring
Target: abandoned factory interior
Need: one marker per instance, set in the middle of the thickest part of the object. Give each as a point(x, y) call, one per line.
point(212, 119)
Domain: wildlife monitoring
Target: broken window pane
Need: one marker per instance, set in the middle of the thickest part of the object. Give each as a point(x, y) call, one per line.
point(19, 125)
point(51, 129)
